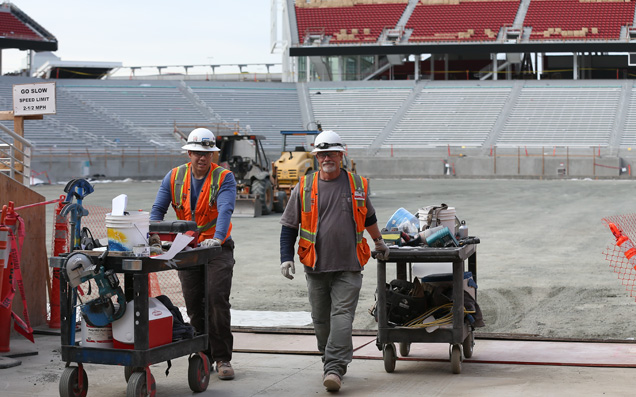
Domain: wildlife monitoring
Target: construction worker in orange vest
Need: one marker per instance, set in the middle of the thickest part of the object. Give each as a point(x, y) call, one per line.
point(330, 209)
point(206, 193)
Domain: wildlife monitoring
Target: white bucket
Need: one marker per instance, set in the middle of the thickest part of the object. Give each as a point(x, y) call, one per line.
point(126, 231)
point(447, 218)
point(100, 337)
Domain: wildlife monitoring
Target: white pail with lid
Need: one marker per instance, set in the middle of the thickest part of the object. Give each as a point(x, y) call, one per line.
point(128, 230)
point(447, 218)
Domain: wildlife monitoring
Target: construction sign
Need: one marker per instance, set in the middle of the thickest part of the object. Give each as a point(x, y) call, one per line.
point(34, 99)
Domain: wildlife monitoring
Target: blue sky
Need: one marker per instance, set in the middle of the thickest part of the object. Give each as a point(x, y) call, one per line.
point(153, 32)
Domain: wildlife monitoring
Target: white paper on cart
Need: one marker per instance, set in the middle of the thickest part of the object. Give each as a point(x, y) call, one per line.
point(119, 205)
point(180, 242)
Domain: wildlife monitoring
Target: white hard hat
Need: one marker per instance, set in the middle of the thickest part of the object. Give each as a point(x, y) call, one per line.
point(201, 140)
point(328, 141)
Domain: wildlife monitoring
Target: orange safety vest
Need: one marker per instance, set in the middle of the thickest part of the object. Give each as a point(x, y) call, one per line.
point(205, 213)
point(309, 217)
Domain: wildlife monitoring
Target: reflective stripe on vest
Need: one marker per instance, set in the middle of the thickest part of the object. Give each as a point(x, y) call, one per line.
point(306, 206)
point(359, 197)
point(177, 189)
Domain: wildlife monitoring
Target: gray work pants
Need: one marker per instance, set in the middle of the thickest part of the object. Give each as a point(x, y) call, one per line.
point(219, 285)
point(333, 297)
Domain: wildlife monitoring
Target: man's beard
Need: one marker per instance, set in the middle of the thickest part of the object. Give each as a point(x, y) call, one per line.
point(329, 167)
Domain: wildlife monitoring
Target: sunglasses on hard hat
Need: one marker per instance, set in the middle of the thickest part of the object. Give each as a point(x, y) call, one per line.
point(325, 145)
point(205, 143)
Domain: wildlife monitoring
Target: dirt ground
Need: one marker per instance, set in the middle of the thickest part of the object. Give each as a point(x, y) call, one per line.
point(540, 267)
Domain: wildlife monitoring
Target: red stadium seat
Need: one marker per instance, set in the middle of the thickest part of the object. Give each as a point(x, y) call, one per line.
point(574, 16)
point(466, 21)
point(12, 27)
point(374, 17)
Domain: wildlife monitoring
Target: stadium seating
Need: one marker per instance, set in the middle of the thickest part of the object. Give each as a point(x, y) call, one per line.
point(578, 19)
point(266, 108)
point(12, 27)
point(359, 114)
point(448, 115)
point(461, 20)
point(147, 110)
point(629, 137)
point(562, 115)
point(360, 23)
point(105, 115)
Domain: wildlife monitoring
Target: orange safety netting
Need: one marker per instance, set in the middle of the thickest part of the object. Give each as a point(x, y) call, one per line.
point(615, 255)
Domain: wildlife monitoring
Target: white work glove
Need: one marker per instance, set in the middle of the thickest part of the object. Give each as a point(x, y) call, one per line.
point(211, 242)
point(381, 250)
point(285, 268)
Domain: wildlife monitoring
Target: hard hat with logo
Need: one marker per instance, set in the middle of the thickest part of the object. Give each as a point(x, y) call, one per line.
point(201, 140)
point(328, 141)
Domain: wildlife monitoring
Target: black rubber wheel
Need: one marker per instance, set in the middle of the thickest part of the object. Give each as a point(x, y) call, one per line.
point(279, 206)
point(137, 385)
point(390, 357)
point(456, 359)
point(405, 349)
point(130, 370)
point(468, 344)
point(69, 383)
point(264, 189)
point(198, 373)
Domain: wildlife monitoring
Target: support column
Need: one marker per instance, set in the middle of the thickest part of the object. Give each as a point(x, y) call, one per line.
point(575, 66)
point(445, 66)
point(417, 67)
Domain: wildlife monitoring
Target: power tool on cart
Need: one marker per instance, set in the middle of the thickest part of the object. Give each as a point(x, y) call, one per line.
point(99, 312)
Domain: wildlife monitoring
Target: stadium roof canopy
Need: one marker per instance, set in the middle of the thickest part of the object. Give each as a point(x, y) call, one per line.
point(19, 31)
point(55, 68)
point(462, 48)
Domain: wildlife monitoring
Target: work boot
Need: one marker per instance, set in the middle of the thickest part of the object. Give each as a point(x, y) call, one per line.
point(225, 370)
point(331, 381)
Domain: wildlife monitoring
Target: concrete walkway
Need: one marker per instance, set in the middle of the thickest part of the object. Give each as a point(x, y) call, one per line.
point(287, 365)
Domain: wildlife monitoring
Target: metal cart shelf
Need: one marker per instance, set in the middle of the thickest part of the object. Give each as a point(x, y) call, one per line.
point(459, 336)
point(136, 362)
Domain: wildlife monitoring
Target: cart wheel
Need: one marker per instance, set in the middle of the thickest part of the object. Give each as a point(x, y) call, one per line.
point(130, 370)
point(198, 372)
point(69, 383)
point(468, 344)
point(389, 357)
point(137, 385)
point(456, 359)
point(405, 349)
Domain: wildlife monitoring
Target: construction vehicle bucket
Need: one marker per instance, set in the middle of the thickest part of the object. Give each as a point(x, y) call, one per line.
point(247, 206)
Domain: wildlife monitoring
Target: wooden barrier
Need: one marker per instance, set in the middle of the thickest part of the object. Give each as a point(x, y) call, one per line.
point(34, 261)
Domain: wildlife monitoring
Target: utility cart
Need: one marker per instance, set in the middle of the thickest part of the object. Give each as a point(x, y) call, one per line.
point(137, 361)
point(459, 335)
